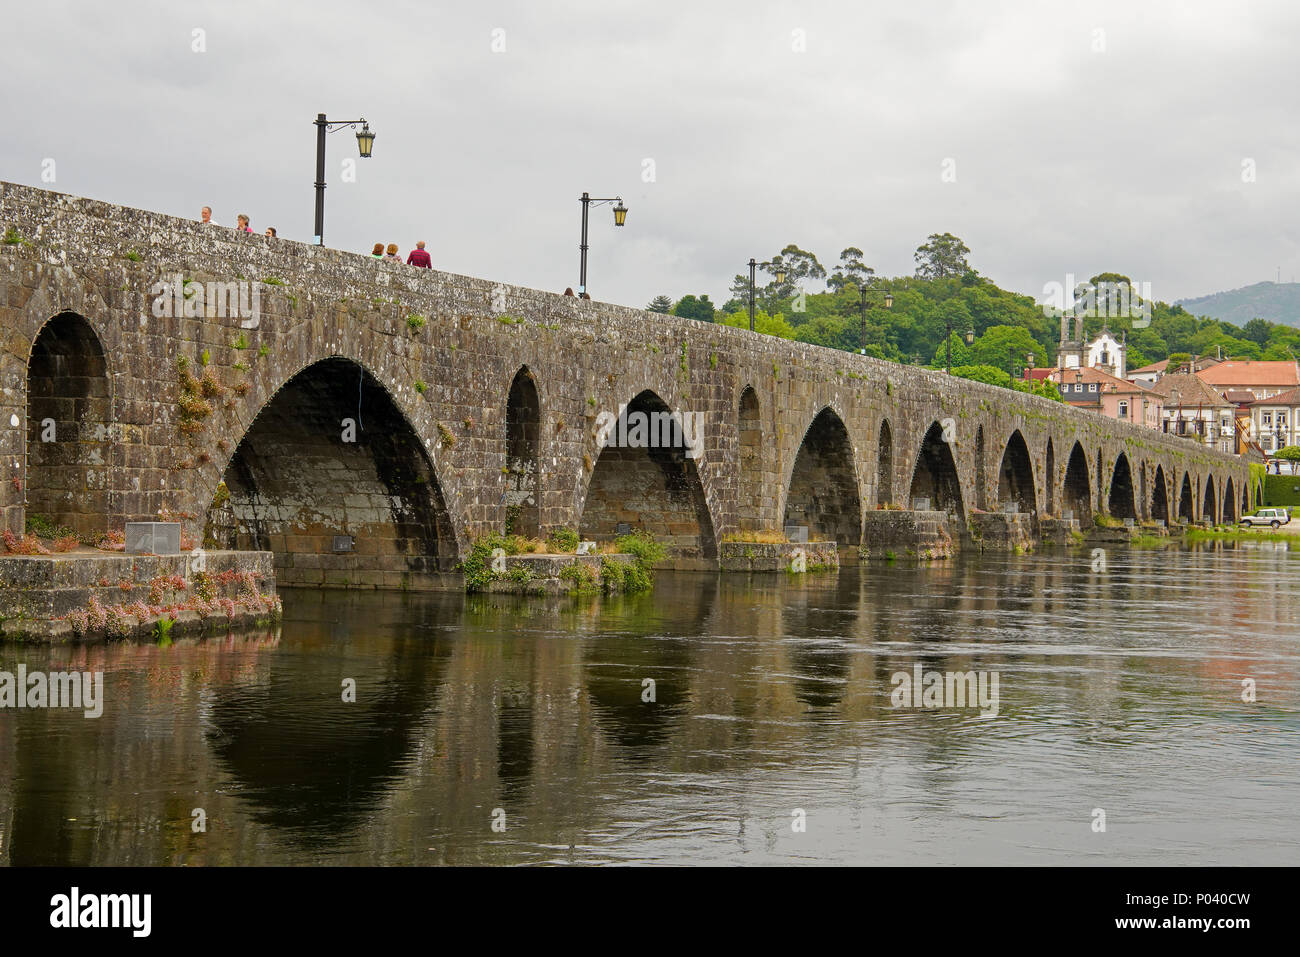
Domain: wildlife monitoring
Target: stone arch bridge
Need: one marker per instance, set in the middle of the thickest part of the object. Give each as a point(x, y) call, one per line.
point(416, 410)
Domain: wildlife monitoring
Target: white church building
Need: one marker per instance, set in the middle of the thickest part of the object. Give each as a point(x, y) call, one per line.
point(1104, 352)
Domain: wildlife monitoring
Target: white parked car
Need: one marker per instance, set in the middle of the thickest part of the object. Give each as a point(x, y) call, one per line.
point(1273, 517)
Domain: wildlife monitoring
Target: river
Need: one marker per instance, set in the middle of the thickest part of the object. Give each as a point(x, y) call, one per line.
point(497, 730)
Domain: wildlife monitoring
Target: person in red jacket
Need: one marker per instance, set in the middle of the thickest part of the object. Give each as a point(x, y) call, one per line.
point(419, 257)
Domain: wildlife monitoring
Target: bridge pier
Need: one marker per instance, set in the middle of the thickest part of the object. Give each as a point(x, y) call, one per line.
point(1003, 531)
point(906, 533)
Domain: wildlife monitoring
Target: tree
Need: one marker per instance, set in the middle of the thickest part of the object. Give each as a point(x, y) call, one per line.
point(768, 325)
point(800, 265)
point(662, 304)
point(983, 373)
point(1003, 346)
point(942, 256)
point(1257, 330)
point(700, 308)
point(1135, 358)
point(852, 272)
point(1291, 453)
point(961, 353)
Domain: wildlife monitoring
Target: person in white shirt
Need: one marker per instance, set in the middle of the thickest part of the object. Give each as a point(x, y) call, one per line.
point(207, 216)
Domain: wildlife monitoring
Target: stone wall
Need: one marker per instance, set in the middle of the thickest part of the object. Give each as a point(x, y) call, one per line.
point(441, 353)
point(42, 591)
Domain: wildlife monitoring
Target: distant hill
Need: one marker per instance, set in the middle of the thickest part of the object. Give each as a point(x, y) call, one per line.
point(1276, 302)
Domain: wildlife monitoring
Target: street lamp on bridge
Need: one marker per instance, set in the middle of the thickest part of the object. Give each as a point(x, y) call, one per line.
point(620, 218)
point(887, 301)
point(365, 144)
point(777, 267)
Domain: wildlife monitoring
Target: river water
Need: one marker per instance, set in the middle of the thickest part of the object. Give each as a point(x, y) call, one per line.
point(495, 730)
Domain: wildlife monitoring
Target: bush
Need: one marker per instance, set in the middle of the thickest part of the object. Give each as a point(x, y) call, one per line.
point(562, 540)
point(477, 565)
point(647, 553)
point(1281, 490)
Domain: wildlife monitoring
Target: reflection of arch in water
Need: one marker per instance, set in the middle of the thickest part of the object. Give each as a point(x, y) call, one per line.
point(646, 636)
point(820, 654)
point(309, 766)
point(614, 672)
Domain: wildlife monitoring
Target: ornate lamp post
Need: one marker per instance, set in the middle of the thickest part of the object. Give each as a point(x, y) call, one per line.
point(970, 338)
point(888, 303)
point(365, 144)
point(779, 269)
point(620, 218)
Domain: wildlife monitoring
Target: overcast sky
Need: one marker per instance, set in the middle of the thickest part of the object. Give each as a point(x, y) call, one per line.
point(1082, 136)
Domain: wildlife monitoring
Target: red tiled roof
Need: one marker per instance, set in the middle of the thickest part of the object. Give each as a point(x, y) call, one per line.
point(1153, 367)
point(1252, 372)
point(1289, 397)
point(1192, 390)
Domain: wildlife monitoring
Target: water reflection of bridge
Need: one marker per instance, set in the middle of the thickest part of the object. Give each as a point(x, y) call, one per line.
point(538, 709)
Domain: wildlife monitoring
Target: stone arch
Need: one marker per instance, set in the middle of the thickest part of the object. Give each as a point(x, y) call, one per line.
point(885, 465)
point(1186, 510)
point(1076, 489)
point(1210, 503)
point(749, 481)
point(1049, 477)
point(1120, 503)
point(1142, 499)
point(822, 491)
point(1016, 476)
point(935, 475)
point(332, 454)
point(1160, 496)
point(69, 415)
point(981, 478)
point(523, 456)
point(1229, 513)
point(644, 478)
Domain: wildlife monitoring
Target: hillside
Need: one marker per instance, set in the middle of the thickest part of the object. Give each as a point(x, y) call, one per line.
point(1264, 300)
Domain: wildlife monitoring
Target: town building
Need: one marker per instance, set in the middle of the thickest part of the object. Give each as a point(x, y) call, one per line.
point(1193, 408)
point(1105, 352)
point(1110, 395)
point(1275, 421)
